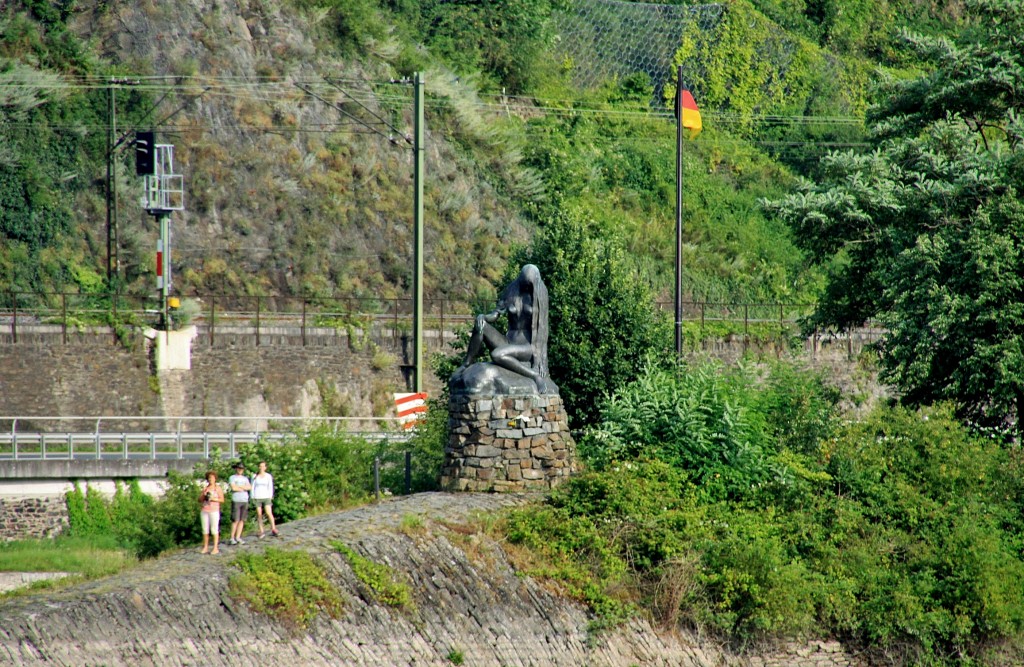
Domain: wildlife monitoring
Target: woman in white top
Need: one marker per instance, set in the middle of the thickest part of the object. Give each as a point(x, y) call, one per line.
point(263, 496)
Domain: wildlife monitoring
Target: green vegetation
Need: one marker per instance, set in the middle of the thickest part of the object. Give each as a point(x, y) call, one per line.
point(923, 234)
point(89, 557)
point(899, 532)
point(379, 579)
point(602, 320)
point(737, 501)
point(317, 471)
point(290, 586)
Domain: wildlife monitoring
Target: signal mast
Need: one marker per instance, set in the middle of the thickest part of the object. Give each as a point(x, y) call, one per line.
point(163, 191)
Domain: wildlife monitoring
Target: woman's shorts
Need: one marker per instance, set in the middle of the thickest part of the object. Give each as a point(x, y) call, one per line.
point(264, 502)
point(210, 522)
point(239, 511)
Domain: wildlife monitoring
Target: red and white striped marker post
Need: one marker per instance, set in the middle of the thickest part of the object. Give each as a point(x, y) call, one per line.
point(159, 264)
point(410, 407)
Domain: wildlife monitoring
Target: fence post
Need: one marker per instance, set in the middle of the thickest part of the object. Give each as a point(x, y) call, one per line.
point(303, 321)
point(408, 472)
point(113, 317)
point(257, 320)
point(394, 327)
point(376, 478)
point(746, 327)
point(64, 317)
point(442, 328)
point(14, 322)
point(213, 316)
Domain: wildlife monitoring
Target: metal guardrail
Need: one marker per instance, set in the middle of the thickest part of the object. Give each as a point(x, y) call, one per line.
point(179, 443)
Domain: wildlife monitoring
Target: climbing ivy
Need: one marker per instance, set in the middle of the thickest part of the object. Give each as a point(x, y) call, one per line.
point(748, 65)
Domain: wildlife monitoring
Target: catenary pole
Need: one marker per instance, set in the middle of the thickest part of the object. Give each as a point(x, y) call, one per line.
point(111, 185)
point(417, 280)
point(679, 213)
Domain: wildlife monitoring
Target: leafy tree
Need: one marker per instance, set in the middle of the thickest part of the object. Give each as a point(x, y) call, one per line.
point(924, 233)
point(603, 320)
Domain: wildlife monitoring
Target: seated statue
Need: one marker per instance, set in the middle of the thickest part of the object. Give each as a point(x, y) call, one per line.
point(519, 358)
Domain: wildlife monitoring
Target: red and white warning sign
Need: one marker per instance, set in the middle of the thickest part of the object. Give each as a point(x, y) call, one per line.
point(410, 408)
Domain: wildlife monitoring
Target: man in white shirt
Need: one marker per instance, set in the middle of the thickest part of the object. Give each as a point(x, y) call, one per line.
point(240, 487)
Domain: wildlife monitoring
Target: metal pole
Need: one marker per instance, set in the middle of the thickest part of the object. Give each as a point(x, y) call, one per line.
point(165, 282)
point(418, 153)
point(408, 473)
point(376, 479)
point(679, 213)
point(110, 185)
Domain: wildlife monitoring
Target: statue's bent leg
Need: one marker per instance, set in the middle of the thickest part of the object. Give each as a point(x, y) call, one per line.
point(517, 358)
point(483, 332)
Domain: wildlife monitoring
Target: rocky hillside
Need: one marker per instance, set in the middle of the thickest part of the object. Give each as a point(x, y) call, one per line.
point(286, 193)
point(468, 602)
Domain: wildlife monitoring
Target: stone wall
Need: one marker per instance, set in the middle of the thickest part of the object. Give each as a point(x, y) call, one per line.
point(290, 373)
point(507, 443)
point(32, 517)
point(49, 373)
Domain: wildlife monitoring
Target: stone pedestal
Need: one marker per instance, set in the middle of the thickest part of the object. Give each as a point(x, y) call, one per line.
point(507, 443)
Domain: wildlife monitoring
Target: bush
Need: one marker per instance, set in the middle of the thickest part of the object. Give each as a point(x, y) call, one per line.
point(699, 420)
point(287, 585)
point(318, 469)
point(381, 581)
point(900, 532)
point(173, 520)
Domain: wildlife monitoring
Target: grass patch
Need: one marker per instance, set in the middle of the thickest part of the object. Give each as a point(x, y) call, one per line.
point(289, 586)
point(412, 524)
point(380, 579)
point(89, 557)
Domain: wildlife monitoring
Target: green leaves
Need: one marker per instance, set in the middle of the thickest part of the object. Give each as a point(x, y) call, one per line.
point(603, 321)
point(925, 233)
point(290, 586)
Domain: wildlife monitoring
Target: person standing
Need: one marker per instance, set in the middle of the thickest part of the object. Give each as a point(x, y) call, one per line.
point(240, 488)
point(209, 517)
point(263, 495)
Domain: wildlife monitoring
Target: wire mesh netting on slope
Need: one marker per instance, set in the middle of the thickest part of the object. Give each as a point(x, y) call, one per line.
point(605, 39)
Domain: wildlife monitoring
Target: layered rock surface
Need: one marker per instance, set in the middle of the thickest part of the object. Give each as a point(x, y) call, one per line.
point(469, 600)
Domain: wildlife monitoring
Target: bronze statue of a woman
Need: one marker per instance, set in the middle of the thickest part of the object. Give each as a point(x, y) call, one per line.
point(523, 350)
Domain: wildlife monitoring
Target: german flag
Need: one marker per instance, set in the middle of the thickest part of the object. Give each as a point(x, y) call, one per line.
point(686, 105)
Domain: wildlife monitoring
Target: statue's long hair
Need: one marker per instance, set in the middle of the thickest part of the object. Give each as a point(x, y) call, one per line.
point(529, 280)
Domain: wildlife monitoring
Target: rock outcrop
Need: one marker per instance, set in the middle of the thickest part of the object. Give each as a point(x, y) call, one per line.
point(469, 601)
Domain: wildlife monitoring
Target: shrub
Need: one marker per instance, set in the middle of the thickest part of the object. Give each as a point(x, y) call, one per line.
point(316, 470)
point(379, 579)
point(288, 585)
point(173, 520)
point(695, 419)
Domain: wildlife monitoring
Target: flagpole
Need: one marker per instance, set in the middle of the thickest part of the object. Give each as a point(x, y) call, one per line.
point(679, 213)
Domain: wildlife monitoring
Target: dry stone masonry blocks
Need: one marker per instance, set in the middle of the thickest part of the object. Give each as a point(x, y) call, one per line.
point(507, 443)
